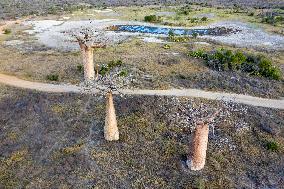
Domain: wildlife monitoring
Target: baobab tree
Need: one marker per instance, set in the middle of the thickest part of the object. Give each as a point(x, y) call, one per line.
point(198, 147)
point(89, 40)
point(200, 120)
point(111, 79)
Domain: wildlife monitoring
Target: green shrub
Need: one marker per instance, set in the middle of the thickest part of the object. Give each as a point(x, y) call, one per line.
point(226, 60)
point(152, 18)
point(107, 68)
point(166, 46)
point(80, 68)
point(171, 33)
point(7, 31)
point(194, 35)
point(198, 54)
point(272, 146)
point(113, 64)
point(52, 77)
point(104, 70)
point(272, 19)
point(266, 69)
point(123, 73)
point(194, 20)
point(203, 19)
point(174, 38)
point(251, 14)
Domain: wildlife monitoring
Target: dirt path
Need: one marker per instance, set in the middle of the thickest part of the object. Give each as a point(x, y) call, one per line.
point(65, 88)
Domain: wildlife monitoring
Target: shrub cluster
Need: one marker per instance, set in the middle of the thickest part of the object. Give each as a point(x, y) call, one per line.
point(152, 18)
point(52, 77)
point(227, 60)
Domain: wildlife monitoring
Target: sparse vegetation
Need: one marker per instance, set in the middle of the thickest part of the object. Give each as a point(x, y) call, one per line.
point(111, 65)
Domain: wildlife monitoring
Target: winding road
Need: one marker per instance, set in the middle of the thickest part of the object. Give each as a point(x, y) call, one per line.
point(65, 88)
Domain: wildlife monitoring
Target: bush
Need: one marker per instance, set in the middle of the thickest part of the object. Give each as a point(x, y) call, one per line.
point(166, 46)
point(123, 73)
point(226, 60)
point(272, 146)
point(198, 54)
point(79, 68)
point(251, 14)
point(171, 33)
point(7, 31)
point(152, 18)
point(204, 19)
point(52, 77)
point(194, 35)
point(266, 69)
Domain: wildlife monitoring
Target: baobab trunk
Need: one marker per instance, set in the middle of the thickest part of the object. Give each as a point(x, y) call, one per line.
point(88, 62)
point(110, 130)
point(197, 156)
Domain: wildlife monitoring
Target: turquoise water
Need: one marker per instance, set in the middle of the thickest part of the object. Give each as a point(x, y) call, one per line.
point(161, 30)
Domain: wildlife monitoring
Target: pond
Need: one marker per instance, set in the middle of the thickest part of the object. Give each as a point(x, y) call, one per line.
point(176, 31)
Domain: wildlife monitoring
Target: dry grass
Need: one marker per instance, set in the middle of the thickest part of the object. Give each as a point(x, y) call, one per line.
point(149, 154)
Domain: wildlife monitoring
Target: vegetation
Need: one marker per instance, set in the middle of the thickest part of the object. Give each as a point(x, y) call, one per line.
point(7, 31)
point(80, 68)
point(226, 60)
point(194, 35)
point(272, 18)
point(152, 18)
point(52, 77)
point(185, 10)
point(272, 146)
point(204, 19)
point(166, 46)
point(177, 38)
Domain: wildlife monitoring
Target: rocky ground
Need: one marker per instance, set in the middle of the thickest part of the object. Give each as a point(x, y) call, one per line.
point(56, 140)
